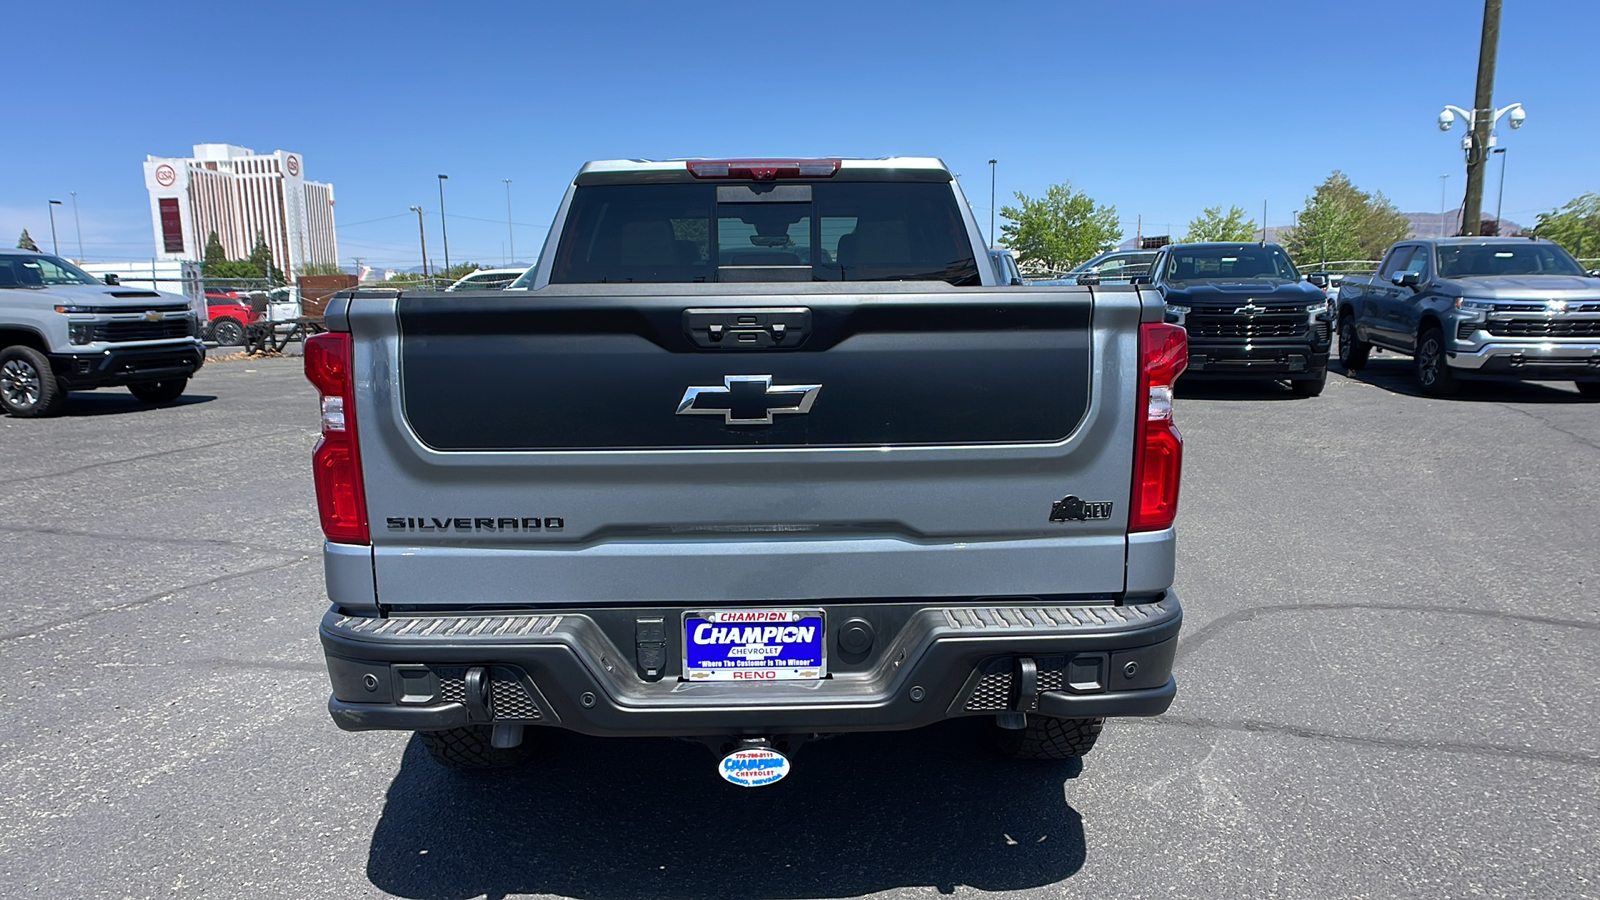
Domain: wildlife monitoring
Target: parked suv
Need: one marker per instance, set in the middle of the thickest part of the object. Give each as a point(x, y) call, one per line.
point(1476, 307)
point(1247, 312)
point(62, 330)
point(228, 314)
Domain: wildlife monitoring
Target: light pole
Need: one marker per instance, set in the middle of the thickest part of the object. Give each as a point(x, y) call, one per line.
point(443, 228)
point(1444, 184)
point(992, 164)
point(511, 236)
point(78, 225)
point(422, 235)
point(1501, 198)
point(1480, 141)
point(54, 247)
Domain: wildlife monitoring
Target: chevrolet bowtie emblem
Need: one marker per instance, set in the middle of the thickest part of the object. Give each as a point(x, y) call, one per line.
point(153, 316)
point(1249, 309)
point(748, 400)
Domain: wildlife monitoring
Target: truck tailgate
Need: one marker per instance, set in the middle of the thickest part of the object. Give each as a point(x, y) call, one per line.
point(594, 444)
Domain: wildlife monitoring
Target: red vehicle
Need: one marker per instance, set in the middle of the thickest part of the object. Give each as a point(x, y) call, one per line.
point(228, 312)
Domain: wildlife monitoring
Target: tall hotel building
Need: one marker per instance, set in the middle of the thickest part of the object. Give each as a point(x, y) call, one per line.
point(239, 194)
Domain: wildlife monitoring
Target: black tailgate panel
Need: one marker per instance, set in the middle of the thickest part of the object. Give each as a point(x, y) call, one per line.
point(552, 373)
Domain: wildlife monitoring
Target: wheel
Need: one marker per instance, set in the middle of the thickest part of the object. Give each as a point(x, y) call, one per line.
point(1433, 371)
point(1589, 388)
point(159, 391)
point(469, 748)
point(227, 332)
point(1353, 351)
point(1045, 737)
point(28, 388)
point(1310, 387)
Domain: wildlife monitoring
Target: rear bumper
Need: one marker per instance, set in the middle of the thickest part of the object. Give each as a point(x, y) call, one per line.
point(118, 365)
point(562, 669)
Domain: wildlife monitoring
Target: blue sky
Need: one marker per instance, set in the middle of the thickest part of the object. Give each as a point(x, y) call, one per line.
point(1159, 112)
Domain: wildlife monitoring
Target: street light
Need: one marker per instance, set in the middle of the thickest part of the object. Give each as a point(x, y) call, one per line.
point(510, 235)
point(1502, 192)
point(1479, 141)
point(54, 247)
point(78, 225)
point(992, 242)
point(422, 235)
point(443, 229)
point(1444, 185)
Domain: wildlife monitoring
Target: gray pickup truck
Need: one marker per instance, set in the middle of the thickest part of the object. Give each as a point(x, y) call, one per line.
point(761, 451)
point(61, 330)
point(1476, 307)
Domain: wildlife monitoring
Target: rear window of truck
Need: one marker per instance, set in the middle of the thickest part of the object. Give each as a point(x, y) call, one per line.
point(686, 233)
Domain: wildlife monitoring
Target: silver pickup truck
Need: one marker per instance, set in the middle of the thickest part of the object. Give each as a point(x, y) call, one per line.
point(61, 330)
point(761, 451)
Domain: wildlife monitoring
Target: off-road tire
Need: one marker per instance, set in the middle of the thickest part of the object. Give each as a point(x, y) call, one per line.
point(1046, 737)
point(227, 332)
point(1353, 351)
point(164, 391)
point(1589, 389)
point(1433, 366)
point(28, 386)
point(469, 748)
point(1310, 387)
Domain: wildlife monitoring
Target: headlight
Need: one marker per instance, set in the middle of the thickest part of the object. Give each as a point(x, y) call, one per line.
point(80, 332)
point(1474, 305)
point(72, 309)
point(1176, 312)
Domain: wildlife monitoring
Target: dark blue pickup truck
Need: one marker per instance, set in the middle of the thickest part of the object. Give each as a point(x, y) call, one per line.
point(1248, 313)
point(1476, 307)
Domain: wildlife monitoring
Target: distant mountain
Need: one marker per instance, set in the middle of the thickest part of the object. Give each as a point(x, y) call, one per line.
point(1423, 225)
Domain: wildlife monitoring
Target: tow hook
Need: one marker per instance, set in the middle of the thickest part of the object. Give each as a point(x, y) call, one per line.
point(753, 763)
point(479, 699)
point(1024, 694)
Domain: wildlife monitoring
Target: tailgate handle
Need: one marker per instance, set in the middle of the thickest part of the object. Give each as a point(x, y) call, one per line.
point(765, 328)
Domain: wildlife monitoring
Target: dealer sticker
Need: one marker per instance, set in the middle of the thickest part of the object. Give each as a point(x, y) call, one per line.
point(755, 767)
point(754, 645)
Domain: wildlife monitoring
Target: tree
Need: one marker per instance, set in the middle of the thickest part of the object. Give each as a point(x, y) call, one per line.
point(456, 272)
point(327, 268)
point(214, 253)
point(1059, 230)
point(1575, 226)
point(1341, 221)
point(1212, 225)
point(26, 242)
point(261, 261)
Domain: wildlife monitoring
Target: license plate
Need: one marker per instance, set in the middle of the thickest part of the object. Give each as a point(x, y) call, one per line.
point(754, 645)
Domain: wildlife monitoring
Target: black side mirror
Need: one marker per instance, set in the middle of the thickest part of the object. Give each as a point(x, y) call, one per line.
point(1318, 280)
point(1594, 273)
point(1089, 278)
point(112, 279)
point(1406, 279)
point(1140, 279)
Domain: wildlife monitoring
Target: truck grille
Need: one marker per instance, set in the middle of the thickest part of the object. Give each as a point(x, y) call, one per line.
point(113, 332)
point(1260, 326)
point(1544, 328)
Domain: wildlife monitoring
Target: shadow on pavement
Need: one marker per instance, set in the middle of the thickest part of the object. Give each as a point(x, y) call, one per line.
point(650, 818)
point(117, 401)
point(1397, 375)
point(1235, 389)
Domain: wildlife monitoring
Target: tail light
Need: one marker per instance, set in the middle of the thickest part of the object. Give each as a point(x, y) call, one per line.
point(1158, 447)
point(763, 169)
point(336, 463)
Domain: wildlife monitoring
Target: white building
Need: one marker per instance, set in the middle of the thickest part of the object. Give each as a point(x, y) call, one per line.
point(238, 194)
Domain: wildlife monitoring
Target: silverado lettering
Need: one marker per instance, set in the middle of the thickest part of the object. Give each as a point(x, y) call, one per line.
point(458, 524)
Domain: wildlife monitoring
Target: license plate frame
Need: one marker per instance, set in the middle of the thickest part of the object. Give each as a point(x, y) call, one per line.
point(714, 657)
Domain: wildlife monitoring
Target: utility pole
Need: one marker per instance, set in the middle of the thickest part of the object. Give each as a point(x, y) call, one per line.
point(422, 234)
point(1482, 119)
point(510, 235)
point(358, 266)
point(992, 241)
point(443, 228)
point(79, 225)
point(1263, 221)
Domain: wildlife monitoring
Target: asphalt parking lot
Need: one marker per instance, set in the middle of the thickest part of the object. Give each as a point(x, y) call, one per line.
point(1390, 686)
